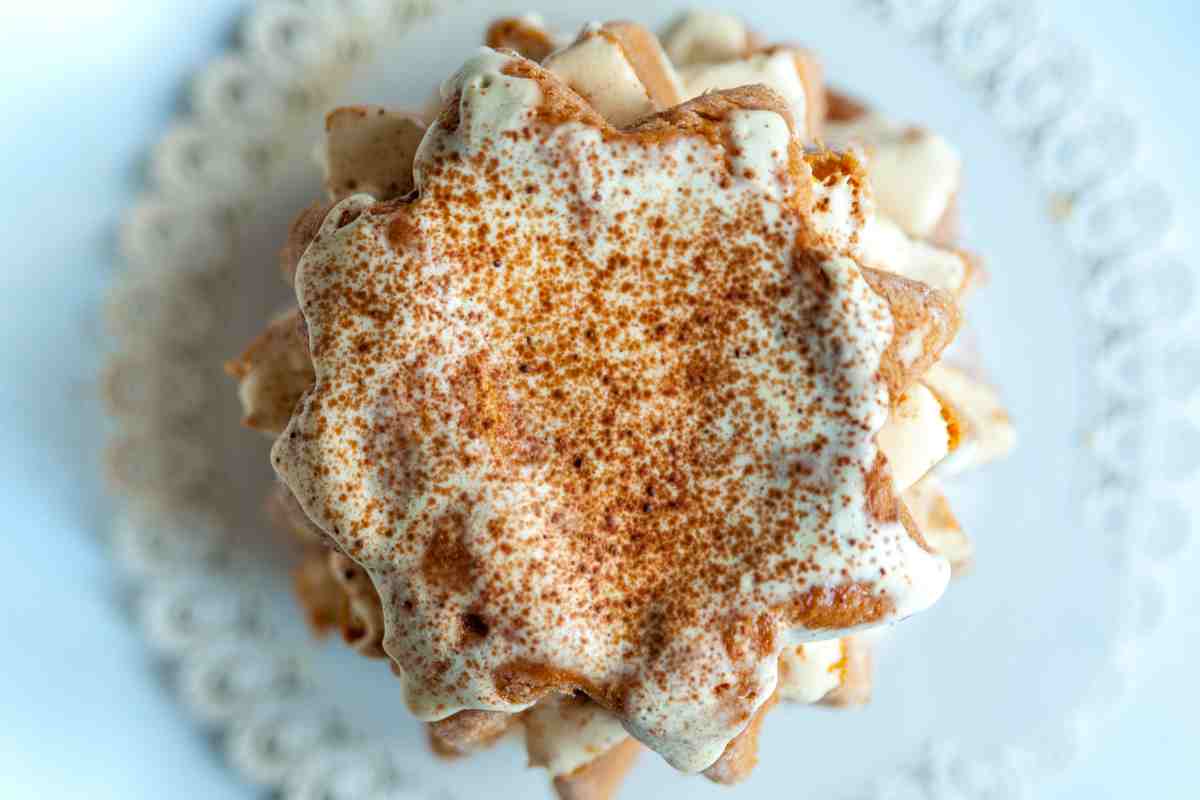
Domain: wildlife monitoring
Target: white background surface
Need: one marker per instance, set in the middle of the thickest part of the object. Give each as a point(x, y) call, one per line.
point(85, 88)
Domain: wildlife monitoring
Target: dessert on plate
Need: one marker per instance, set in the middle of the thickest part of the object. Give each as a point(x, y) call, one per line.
point(616, 399)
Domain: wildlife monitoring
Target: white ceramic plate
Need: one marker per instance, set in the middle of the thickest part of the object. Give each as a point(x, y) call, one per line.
point(1084, 317)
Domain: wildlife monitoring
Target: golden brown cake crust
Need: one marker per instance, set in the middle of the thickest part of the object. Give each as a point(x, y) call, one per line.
point(520, 36)
point(841, 107)
point(301, 233)
point(274, 371)
point(325, 604)
point(467, 732)
point(363, 627)
point(741, 755)
point(649, 62)
point(336, 593)
point(917, 309)
point(702, 115)
point(370, 149)
point(600, 778)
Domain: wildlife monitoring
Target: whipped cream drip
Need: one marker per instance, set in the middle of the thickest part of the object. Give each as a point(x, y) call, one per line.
point(585, 407)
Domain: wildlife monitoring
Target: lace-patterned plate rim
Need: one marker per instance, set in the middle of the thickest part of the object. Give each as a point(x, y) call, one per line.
point(237, 677)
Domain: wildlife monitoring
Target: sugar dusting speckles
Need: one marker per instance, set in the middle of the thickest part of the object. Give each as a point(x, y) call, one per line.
point(592, 414)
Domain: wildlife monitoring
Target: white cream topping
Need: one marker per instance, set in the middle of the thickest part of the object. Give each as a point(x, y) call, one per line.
point(704, 37)
point(775, 70)
point(384, 456)
point(564, 733)
point(809, 671)
point(915, 173)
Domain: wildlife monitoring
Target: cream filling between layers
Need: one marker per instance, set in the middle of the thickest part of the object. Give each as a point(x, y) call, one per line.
point(704, 37)
point(809, 671)
point(990, 433)
point(564, 733)
point(775, 70)
point(849, 218)
point(915, 438)
point(597, 67)
point(915, 173)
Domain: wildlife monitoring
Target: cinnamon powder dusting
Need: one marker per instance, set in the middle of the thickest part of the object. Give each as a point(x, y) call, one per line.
point(593, 398)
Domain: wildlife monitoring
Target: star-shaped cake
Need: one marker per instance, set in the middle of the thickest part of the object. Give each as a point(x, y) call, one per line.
point(613, 399)
point(596, 408)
